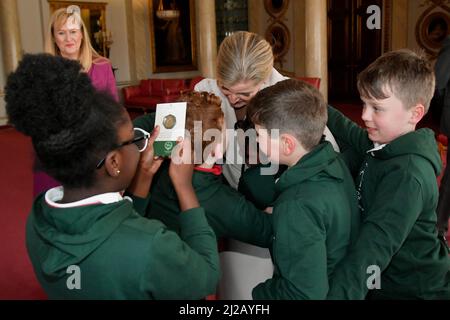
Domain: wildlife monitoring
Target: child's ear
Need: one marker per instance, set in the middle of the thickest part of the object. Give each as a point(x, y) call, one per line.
point(288, 144)
point(113, 163)
point(417, 113)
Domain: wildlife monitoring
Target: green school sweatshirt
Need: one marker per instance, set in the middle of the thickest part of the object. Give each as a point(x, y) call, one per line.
point(308, 232)
point(315, 217)
point(119, 254)
point(219, 201)
point(398, 195)
point(223, 206)
point(259, 188)
point(146, 122)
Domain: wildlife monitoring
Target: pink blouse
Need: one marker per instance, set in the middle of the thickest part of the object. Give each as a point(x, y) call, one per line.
point(102, 77)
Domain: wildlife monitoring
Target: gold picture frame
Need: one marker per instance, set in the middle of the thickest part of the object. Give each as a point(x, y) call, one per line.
point(276, 8)
point(278, 35)
point(432, 27)
point(172, 35)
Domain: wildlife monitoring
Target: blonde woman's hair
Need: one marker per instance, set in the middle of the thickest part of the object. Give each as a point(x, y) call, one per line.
point(244, 56)
point(58, 19)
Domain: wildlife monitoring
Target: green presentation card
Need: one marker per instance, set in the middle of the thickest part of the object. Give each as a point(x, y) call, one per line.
point(171, 119)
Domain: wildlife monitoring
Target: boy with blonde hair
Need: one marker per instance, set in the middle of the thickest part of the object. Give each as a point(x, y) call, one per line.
point(398, 254)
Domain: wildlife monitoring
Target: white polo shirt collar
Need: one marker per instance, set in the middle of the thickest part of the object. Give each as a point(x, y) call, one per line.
point(54, 195)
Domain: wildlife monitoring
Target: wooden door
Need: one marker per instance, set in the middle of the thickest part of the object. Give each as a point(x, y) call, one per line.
point(352, 46)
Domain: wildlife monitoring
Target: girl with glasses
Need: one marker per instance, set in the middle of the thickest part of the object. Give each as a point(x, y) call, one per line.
point(85, 239)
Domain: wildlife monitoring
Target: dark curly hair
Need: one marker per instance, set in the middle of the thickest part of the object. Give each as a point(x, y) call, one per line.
point(72, 126)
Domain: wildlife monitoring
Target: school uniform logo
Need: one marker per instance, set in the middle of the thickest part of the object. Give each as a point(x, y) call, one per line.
point(168, 145)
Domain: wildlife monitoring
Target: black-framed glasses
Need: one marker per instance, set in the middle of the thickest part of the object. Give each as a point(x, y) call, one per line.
point(140, 140)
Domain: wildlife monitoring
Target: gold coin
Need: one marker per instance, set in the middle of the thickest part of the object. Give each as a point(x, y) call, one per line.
point(169, 121)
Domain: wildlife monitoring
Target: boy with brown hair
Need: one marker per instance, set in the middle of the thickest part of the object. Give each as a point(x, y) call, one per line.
point(205, 125)
point(307, 233)
point(315, 215)
point(397, 251)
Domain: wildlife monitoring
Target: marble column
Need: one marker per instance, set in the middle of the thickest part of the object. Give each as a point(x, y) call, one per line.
point(206, 35)
point(142, 65)
point(131, 40)
point(10, 35)
point(316, 59)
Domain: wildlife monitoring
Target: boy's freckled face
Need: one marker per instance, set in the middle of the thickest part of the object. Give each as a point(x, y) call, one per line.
point(386, 119)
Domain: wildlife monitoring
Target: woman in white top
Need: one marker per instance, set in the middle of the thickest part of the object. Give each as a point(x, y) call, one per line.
point(244, 66)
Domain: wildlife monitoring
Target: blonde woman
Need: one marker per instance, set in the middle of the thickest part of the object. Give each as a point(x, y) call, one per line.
point(68, 37)
point(244, 66)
